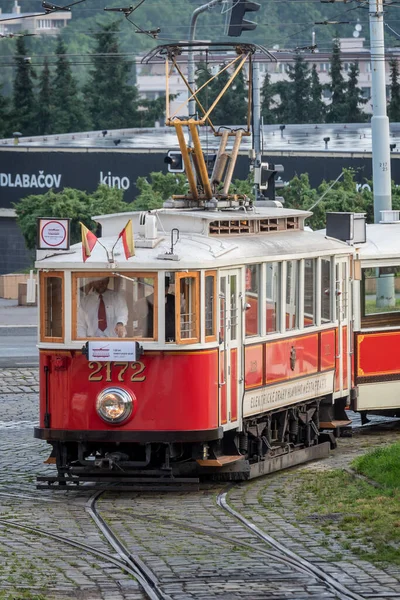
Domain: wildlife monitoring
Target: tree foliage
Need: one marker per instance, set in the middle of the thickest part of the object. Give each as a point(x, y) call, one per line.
point(77, 205)
point(161, 186)
point(316, 106)
point(354, 98)
point(24, 102)
point(394, 104)
point(111, 99)
point(69, 112)
point(267, 102)
point(337, 108)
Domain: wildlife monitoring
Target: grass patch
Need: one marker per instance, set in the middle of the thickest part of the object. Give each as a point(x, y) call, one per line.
point(361, 517)
point(382, 465)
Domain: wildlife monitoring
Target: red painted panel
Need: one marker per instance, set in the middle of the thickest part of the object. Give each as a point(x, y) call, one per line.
point(328, 350)
point(179, 391)
point(223, 399)
point(378, 354)
point(253, 366)
point(278, 354)
point(234, 385)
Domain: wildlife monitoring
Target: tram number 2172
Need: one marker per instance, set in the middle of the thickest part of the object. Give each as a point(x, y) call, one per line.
point(103, 371)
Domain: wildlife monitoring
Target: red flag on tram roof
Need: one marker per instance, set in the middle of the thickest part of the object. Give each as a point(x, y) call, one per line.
point(127, 240)
point(88, 242)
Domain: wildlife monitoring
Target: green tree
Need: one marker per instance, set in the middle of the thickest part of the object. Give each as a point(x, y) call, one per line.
point(24, 103)
point(282, 110)
point(112, 101)
point(69, 112)
point(394, 104)
point(77, 205)
point(232, 107)
point(337, 108)
point(45, 102)
point(4, 115)
point(354, 98)
point(299, 91)
point(316, 106)
point(155, 192)
point(267, 92)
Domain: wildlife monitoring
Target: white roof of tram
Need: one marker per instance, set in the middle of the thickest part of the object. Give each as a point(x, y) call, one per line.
point(196, 247)
point(383, 242)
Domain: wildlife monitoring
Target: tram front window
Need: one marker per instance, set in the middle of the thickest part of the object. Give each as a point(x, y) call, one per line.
point(115, 306)
point(52, 302)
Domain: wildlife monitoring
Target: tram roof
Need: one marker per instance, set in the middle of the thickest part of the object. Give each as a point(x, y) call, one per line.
point(383, 242)
point(195, 248)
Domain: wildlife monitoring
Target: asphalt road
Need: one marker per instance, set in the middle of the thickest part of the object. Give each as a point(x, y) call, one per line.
point(18, 347)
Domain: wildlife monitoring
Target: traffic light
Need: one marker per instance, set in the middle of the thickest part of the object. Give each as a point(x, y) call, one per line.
point(174, 161)
point(237, 22)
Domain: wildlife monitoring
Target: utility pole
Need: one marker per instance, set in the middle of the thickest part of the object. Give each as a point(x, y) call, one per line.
point(256, 129)
point(192, 32)
point(381, 175)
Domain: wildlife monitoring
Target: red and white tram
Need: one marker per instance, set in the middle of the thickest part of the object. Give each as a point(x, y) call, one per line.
point(236, 350)
point(377, 320)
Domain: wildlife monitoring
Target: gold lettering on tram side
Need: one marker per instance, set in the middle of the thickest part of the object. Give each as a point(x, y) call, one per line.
point(124, 366)
point(93, 376)
point(138, 367)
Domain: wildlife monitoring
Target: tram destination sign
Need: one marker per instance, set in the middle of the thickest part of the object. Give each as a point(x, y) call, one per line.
point(275, 396)
point(112, 351)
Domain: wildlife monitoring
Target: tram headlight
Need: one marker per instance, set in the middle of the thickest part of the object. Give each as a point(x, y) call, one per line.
point(114, 405)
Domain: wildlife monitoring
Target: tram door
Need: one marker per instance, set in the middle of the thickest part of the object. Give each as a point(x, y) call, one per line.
point(230, 339)
point(342, 383)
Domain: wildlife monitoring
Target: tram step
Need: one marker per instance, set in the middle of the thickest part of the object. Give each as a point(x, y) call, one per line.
point(333, 424)
point(221, 461)
point(113, 479)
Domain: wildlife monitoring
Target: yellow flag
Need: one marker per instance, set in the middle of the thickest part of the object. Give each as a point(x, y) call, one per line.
point(127, 239)
point(88, 242)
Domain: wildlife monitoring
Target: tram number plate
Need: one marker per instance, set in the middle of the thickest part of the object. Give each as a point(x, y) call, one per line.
point(125, 371)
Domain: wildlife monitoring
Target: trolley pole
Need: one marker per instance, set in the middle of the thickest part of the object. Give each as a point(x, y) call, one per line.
point(381, 175)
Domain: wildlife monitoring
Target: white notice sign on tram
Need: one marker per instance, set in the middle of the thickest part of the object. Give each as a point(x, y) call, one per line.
point(53, 233)
point(118, 351)
point(275, 396)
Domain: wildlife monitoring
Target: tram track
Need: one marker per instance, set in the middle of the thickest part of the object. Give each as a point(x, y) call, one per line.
point(295, 560)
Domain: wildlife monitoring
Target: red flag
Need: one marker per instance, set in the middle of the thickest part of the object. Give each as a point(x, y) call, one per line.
point(127, 240)
point(88, 242)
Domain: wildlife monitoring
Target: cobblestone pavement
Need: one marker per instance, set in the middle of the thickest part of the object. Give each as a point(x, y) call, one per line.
point(196, 550)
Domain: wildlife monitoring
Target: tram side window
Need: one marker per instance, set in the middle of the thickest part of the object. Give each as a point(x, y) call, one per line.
point(210, 285)
point(188, 309)
point(116, 307)
point(309, 292)
point(272, 303)
point(252, 300)
point(292, 294)
point(326, 306)
point(380, 295)
point(52, 306)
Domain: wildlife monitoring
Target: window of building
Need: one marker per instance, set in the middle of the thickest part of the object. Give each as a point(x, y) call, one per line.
point(292, 294)
point(366, 92)
point(309, 292)
point(252, 318)
point(210, 288)
point(327, 94)
point(113, 306)
point(378, 296)
point(51, 312)
point(324, 67)
point(326, 304)
point(187, 287)
point(273, 283)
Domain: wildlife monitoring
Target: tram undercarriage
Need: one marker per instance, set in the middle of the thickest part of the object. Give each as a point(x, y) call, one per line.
point(268, 442)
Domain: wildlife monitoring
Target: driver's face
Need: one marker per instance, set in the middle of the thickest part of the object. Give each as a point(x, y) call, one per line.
point(101, 285)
